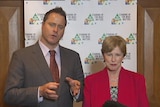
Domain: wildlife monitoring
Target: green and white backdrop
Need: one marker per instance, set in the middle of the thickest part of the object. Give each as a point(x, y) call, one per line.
point(89, 22)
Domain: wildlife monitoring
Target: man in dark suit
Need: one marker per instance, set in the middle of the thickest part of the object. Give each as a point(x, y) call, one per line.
point(30, 82)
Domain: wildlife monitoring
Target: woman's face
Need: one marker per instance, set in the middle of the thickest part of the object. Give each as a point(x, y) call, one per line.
point(113, 59)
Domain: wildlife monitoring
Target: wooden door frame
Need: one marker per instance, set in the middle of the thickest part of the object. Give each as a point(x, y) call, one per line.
point(147, 49)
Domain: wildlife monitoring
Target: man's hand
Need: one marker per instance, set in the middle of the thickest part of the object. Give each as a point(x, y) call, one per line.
point(49, 90)
point(74, 85)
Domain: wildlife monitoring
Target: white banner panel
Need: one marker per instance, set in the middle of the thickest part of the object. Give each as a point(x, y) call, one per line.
point(89, 22)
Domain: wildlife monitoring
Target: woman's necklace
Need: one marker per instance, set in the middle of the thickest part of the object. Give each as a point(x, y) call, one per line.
point(113, 79)
point(113, 82)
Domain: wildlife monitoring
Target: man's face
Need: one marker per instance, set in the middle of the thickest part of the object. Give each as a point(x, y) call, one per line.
point(53, 29)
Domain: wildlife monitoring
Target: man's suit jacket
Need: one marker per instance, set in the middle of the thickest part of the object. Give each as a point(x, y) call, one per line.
point(131, 89)
point(28, 70)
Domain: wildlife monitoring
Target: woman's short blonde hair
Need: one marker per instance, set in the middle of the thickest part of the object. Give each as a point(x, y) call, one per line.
point(112, 42)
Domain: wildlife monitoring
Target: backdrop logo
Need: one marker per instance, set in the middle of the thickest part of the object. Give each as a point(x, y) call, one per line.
point(130, 2)
point(131, 39)
point(80, 38)
point(76, 2)
point(47, 2)
point(93, 58)
point(128, 56)
point(50, 2)
point(102, 2)
point(36, 19)
point(93, 18)
point(106, 2)
point(72, 17)
point(104, 35)
point(30, 36)
point(121, 18)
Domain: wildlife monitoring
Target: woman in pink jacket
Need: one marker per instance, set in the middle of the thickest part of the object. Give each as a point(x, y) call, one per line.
point(114, 82)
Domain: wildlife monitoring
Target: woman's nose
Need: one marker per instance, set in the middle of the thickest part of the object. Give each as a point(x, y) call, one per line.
point(113, 58)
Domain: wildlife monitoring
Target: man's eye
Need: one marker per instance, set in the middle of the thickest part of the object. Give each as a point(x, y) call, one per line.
point(52, 24)
point(61, 27)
